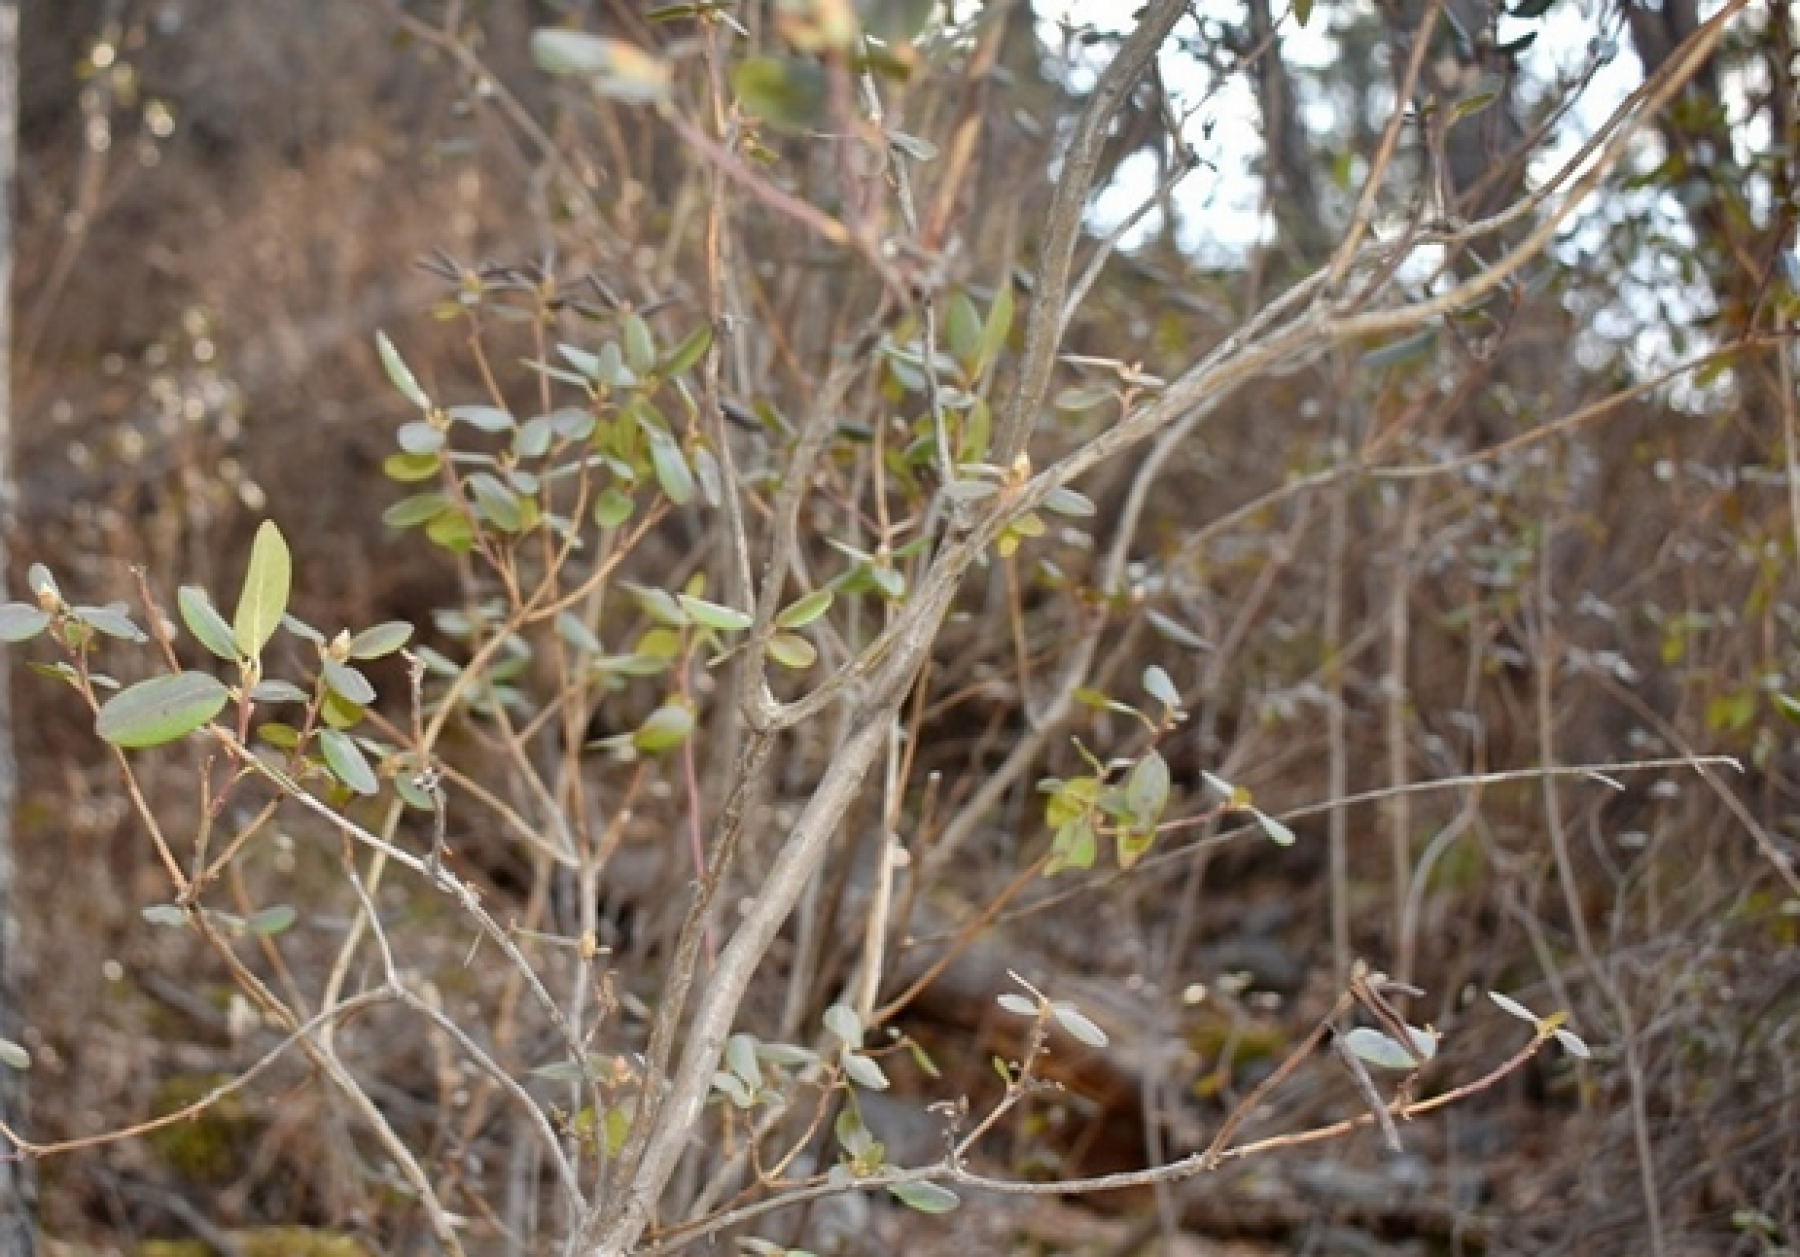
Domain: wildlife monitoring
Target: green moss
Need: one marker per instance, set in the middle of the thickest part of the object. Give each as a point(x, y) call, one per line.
point(273, 1241)
point(210, 1146)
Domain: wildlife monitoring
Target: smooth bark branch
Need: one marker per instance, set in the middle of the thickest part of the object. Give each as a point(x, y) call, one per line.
point(16, 1229)
point(1063, 225)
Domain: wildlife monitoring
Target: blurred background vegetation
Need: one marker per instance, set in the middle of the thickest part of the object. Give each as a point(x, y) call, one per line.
point(1525, 538)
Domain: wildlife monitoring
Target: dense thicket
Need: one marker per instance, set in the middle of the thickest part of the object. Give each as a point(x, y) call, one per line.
point(1441, 519)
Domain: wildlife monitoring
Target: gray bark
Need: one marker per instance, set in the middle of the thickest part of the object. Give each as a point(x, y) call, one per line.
point(16, 1227)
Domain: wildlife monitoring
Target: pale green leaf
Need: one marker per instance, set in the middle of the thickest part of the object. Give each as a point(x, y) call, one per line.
point(380, 640)
point(347, 762)
point(713, 616)
point(20, 621)
point(925, 1197)
point(265, 595)
point(804, 611)
point(205, 623)
point(161, 709)
point(399, 374)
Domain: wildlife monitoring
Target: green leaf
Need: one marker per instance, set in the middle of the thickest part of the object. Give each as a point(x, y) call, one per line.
point(418, 509)
point(265, 594)
point(1176, 632)
point(301, 629)
point(713, 616)
point(41, 583)
point(534, 437)
point(1785, 704)
point(1078, 398)
point(1074, 847)
point(640, 345)
point(161, 709)
point(453, 531)
point(13, 1056)
point(498, 504)
point(1161, 688)
point(689, 352)
point(1573, 1044)
point(1078, 1024)
point(277, 692)
point(1513, 1007)
point(205, 623)
point(272, 921)
point(843, 1022)
point(803, 612)
point(667, 728)
point(864, 1072)
point(996, 329)
point(1067, 502)
point(399, 374)
point(347, 683)
point(914, 146)
point(419, 437)
point(962, 330)
point(612, 507)
point(1379, 1049)
point(281, 736)
point(114, 620)
point(411, 468)
point(672, 473)
point(486, 418)
point(658, 604)
point(1276, 832)
point(925, 1197)
point(168, 915)
point(614, 68)
point(1147, 788)
point(382, 639)
point(790, 650)
point(347, 762)
point(789, 95)
point(20, 621)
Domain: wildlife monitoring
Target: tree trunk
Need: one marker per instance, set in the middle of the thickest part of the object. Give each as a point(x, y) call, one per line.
point(16, 1229)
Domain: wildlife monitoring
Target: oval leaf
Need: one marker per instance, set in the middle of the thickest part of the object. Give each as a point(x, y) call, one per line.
point(348, 684)
point(1512, 1006)
point(13, 1056)
point(806, 610)
point(842, 1021)
point(864, 1072)
point(205, 623)
point(1161, 688)
point(381, 640)
point(1147, 789)
point(1078, 1024)
point(925, 1197)
point(486, 418)
point(20, 622)
point(667, 728)
point(713, 616)
point(672, 473)
point(790, 650)
point(1378, 1049)
point(265, 595)
point(1274, 830)
point(399, 374)
point(161, 709)
point(687, 353)
point(346, 761)
point(272, 921)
